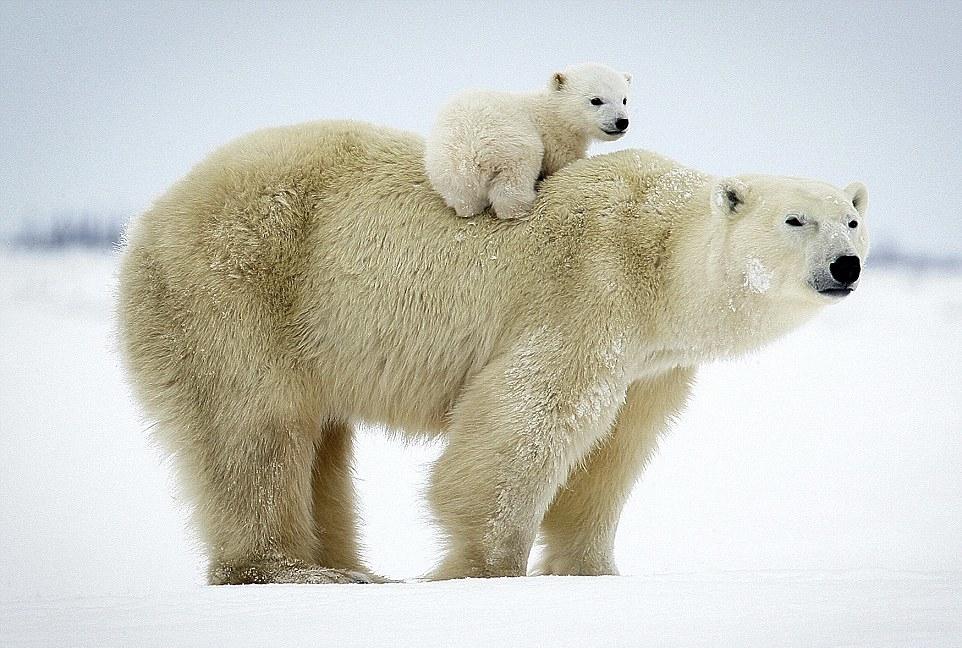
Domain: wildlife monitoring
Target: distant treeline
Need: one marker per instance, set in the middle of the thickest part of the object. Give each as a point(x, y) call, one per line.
point(85, 229)
point(887, 255)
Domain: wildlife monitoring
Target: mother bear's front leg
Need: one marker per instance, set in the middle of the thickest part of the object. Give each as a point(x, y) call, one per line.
point(514, 435)
point(579, 528)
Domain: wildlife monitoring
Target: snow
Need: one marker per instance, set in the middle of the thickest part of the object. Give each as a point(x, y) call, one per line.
point(809, 496)
point(874, 609)
point(758, 278)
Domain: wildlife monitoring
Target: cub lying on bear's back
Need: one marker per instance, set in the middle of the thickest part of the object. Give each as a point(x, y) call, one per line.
point(489, 148)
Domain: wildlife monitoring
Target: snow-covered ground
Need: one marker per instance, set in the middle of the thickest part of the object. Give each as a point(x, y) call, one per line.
point(810, 495)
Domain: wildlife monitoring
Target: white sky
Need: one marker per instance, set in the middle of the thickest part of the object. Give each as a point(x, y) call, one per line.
point(103, 105)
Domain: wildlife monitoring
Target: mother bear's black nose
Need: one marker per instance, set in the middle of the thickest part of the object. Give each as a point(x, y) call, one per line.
point(621, 124)
point(846, 269)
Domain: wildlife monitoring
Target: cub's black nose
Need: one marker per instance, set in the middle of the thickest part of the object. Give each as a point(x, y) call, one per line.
point(846, 269)
point(621, 124)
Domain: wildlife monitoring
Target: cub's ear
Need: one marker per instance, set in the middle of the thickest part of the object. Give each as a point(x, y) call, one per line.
point(558, 81)
point(729, 196)
point(627, 78)
point(858, 194)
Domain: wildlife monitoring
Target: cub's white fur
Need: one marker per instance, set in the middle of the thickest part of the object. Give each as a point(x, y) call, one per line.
point(303, 280)
point(489, 148)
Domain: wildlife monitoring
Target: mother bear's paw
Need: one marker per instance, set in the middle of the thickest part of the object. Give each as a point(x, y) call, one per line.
point(575, 565)
point(286, 572)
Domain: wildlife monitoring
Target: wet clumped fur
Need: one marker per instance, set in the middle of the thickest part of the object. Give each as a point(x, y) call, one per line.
point(305, 280)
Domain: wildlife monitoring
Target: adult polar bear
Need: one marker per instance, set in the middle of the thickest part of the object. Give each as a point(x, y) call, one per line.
point(302, 280)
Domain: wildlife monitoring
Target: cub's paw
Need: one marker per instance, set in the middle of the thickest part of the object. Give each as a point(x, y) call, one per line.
point(513, 212)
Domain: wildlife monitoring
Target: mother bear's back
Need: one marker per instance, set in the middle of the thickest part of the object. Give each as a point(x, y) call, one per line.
point(314, 257)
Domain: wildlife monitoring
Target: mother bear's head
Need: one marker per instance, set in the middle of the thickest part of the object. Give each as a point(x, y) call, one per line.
point(795, 238)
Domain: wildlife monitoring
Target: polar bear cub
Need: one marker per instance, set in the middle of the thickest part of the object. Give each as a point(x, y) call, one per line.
point(490, 148)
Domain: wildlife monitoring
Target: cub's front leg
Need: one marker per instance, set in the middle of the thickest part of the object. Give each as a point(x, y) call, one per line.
point(515, 433)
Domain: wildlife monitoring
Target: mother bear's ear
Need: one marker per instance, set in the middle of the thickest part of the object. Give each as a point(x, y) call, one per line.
point(729, 196)
point(557, 81)
point(858, 194)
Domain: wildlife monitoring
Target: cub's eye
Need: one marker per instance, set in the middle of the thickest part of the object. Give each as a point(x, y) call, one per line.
point(624, 101)
point(853, 224)
point(793, 221)
point(596, 101)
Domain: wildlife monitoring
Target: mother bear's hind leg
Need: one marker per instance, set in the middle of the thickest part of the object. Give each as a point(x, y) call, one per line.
point(257, 509)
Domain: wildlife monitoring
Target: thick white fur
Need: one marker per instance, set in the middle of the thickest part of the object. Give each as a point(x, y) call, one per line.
point(303, 280)
point(490, 148)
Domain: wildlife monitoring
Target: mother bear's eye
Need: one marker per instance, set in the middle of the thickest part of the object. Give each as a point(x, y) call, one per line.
point(596, 101)
point(853, 224)
point(793, 221)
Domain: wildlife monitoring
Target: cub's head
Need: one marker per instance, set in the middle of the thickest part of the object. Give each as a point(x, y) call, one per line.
point(595, 97)
point(798, 239)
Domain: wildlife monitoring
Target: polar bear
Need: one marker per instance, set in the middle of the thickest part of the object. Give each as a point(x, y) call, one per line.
point(489, 148)
point(304, 280)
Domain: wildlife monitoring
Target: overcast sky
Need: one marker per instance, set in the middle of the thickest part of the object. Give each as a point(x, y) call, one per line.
point(103, 105)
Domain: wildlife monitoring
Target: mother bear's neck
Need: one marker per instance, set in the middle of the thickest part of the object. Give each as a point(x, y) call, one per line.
point(708, 303)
